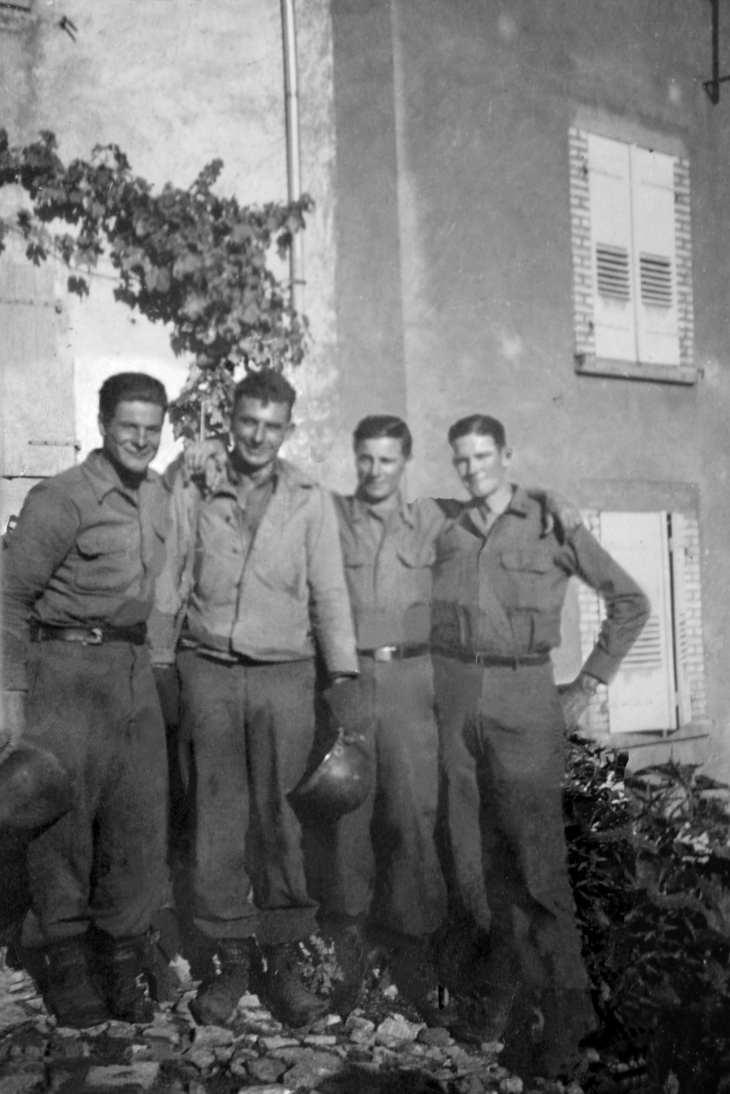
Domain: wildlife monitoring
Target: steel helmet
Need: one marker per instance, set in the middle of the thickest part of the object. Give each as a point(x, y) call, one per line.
point(338, 785)
point(35, 788)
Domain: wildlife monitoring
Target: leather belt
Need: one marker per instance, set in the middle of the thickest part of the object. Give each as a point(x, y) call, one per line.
point(485, 660)
point(396, 653)
point(88, 636)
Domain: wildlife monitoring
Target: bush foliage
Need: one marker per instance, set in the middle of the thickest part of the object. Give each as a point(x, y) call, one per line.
point(649, 857)
point(186, 257)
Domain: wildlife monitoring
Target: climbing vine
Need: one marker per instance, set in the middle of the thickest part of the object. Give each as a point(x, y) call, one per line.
point(190, 258)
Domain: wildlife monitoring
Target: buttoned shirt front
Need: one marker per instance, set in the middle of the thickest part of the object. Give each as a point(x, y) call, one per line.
point(388, 557)
point(85, 552)
point(500, 591)
point(263, 589)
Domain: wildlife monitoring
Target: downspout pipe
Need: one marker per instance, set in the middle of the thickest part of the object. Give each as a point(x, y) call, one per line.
point(293, 156)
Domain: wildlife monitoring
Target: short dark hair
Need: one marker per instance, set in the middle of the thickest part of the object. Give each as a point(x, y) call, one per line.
point(268, 385)
point(480, 424)
point(384, 425)
point(129, 387)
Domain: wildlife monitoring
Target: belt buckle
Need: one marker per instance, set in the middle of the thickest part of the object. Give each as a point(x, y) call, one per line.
point(95, 638)
point(385, 653)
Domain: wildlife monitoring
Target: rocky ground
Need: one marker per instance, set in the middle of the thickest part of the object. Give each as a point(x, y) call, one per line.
point(379, 1049)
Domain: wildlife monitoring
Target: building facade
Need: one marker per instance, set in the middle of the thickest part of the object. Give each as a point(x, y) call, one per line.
point(520, 209)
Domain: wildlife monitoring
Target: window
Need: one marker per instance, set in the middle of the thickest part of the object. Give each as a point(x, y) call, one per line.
point(37, 375)
point(632, 259)
point(660, 685)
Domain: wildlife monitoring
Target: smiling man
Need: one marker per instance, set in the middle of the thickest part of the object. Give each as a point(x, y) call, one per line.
point(499, 584)
point(381, 868)
point(79, 573)
point(254, 577)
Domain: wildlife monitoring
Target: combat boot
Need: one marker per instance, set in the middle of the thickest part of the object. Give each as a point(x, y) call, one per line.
point(417, 981)
point(352, 955)
point(70, 993)
point(218, 995)
point(127, 994)
point(283, 990)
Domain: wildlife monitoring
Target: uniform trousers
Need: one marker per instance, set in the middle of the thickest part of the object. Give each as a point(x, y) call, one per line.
point(503, 750)
point(249, 730)
point(381, 859)
point(96, 709)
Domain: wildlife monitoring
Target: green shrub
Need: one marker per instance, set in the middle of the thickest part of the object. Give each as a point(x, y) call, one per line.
point(649, 857)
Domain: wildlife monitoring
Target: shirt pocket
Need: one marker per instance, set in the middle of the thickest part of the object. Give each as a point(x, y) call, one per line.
point(108, 558)
point(417, 555)
point(528, 574)
point(416, 564)
point(282, 568)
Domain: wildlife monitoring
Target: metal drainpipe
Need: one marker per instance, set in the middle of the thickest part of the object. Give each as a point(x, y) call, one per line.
point(293, 166)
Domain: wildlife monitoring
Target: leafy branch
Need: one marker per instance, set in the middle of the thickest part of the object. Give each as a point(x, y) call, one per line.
point(185, 257)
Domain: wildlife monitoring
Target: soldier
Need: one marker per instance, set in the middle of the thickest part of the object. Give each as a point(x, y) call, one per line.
point(381, 864)
point(79, 574)
point(254, 571)
point(499, 585)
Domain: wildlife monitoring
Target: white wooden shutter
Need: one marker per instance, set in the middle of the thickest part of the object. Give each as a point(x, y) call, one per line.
point(655, 266)
point(611, 248)
point(37, 373)
point(681, 639)
point(642, 696)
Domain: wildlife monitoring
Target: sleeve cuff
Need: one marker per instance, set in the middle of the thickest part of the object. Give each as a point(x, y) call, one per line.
point(601, 666)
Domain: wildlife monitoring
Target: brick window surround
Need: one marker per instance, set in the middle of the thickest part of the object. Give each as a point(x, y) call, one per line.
point(586, 361)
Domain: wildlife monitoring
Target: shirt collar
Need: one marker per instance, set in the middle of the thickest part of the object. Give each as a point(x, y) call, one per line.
point(284, 473)
point(518, 506)
point(104, 478)
point(360, 509)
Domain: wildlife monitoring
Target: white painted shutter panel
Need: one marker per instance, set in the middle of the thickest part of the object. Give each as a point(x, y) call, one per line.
point(641, 697)
point(610, 215)
point(37, 374)
point(680, 619)
point(655, 266)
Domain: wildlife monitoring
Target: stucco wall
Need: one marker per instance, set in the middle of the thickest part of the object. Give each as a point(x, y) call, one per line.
point(176, 85)
point(484, 95)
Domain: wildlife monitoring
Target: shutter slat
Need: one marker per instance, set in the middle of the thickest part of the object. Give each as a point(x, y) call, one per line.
point(656, 280)
point(613, 273)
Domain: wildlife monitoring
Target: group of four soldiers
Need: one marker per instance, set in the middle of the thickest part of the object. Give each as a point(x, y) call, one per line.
point(433, 622)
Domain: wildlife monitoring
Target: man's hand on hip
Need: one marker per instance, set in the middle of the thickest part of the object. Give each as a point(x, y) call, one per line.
point(575, 698)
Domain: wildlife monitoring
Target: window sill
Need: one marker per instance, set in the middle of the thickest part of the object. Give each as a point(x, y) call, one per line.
point(621, 742)
point(586, 365)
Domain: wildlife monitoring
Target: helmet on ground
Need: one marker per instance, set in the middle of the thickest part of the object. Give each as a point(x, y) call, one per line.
point(338, 785)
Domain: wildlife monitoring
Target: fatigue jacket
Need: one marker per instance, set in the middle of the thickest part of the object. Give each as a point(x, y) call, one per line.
point(501, 592)
point(85, 552)
point(388, 569)
point(266, 597)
